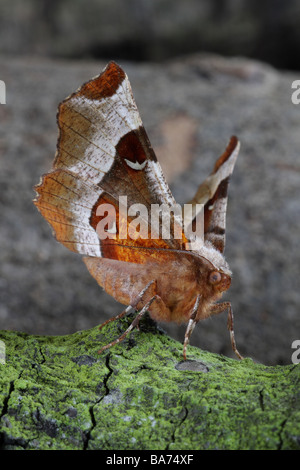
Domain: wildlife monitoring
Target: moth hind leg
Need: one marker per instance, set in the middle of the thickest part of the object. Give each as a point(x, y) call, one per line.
point(132, 306)
point(131, 326)
point(139, 303)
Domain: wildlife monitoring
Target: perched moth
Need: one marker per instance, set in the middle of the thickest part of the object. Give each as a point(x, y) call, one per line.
point(104, 159)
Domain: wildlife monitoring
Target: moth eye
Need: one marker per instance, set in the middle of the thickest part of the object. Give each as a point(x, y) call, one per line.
point(215, 277)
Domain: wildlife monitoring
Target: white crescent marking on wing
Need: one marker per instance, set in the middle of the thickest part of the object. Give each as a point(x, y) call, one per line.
point(136, 165)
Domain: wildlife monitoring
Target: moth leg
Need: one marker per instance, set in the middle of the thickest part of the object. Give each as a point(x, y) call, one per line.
point(130, 307)
point(191, 325)
point(133, 324)
point(231, 331)
point(218, 308)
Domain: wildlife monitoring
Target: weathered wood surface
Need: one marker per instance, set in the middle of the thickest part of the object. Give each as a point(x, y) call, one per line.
point(56, 392)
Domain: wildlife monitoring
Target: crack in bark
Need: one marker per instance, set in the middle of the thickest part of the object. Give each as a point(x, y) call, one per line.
point(261, 400)
point(279, 447)
point(6, 399)
point(87, 434)
point(173, 439)
point(106, 379)
point(4, 440)
point(42, 354)
point(4, 412)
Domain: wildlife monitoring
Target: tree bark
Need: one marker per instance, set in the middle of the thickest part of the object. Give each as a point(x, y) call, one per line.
point(57, 392)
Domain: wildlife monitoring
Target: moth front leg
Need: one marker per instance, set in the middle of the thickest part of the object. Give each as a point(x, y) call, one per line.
point(191, 325)
point(219, 308)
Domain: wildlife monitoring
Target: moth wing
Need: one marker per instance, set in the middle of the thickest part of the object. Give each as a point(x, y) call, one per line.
point(103, 153)
point(213, 195)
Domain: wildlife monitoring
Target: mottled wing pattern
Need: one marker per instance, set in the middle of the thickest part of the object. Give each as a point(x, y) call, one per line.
point(66, 202)
point(212, 193)
point(103, 152)
point(216, 207)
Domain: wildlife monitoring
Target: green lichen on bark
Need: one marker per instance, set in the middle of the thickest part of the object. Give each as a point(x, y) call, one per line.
point(59, 393)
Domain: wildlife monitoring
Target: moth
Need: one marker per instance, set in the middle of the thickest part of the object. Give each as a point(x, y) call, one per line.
point(103, 156)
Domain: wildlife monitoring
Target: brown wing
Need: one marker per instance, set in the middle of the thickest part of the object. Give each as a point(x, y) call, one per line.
point(215, 208)
point(103, 153)
point(212, 193)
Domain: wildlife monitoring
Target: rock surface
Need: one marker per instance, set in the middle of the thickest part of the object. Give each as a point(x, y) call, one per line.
point(44, 289)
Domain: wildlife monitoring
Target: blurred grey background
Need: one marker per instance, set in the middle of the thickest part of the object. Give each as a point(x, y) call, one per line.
point(200, 72)
point(152, 30)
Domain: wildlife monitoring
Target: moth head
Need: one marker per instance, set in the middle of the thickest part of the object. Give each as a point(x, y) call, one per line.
point(220, 281)
point(217, 272)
